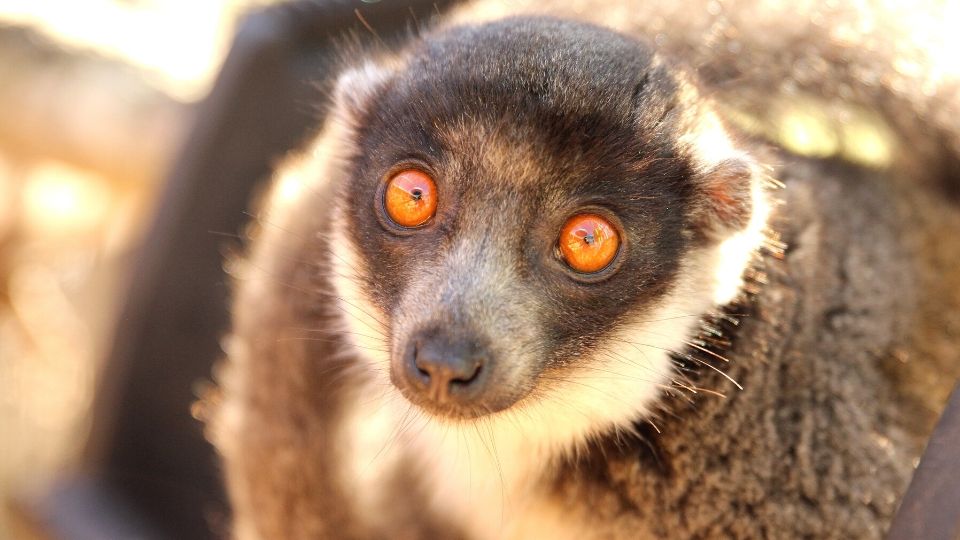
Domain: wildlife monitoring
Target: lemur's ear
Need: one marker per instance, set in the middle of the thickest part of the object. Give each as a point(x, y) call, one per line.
point(357, 88)
point(724, 177)
point(724, 201)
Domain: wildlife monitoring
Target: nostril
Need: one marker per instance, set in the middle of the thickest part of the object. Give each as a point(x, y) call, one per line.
point(417, 371)
point(464, 379)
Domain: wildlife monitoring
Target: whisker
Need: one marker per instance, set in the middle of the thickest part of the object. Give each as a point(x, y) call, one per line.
point(718, 370)
point(391, 439)
point(695, 359)
point(685, 342)
point(330, 340)
point(331, 331)
point(330, 295)
point(302, 238)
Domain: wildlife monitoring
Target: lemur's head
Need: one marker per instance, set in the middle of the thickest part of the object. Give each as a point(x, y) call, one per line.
point(530, 215)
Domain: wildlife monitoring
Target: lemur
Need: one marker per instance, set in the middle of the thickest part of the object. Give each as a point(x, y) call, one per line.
point(606, 270)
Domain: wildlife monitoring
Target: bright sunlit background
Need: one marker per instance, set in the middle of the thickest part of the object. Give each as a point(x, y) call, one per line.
point(95, 96)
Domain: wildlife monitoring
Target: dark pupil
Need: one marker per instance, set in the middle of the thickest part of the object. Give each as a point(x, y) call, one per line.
point(588, 239)
point(417, 193)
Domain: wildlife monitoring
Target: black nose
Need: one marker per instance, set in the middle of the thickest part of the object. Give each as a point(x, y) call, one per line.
point(446, 369)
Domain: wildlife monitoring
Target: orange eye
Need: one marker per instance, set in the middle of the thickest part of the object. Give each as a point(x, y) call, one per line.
point(410, 198)
point(588, 243)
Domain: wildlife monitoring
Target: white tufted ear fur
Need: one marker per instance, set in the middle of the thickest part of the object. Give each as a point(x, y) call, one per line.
point(357, 87)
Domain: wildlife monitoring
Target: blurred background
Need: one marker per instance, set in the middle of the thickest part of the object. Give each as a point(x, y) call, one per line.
point(96, 97)
point(134, 135)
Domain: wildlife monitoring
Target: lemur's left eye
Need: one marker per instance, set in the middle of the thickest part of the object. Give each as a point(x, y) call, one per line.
point(588, 243)
point(410, 198)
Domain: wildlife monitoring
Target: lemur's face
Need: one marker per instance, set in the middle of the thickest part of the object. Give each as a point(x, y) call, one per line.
point(512, 210)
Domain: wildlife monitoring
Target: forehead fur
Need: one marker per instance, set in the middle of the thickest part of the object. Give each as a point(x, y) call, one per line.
point(565, 64)
point(542, 82)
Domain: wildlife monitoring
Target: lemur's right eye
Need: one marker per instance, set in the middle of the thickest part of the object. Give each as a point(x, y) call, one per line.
point(588, 243)
point(410, 198)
